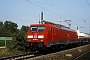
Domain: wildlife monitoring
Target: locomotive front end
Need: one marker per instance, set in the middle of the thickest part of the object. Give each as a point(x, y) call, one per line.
point(35, 37)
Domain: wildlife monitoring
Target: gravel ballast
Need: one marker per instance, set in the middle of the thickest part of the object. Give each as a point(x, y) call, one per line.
point(69, 54)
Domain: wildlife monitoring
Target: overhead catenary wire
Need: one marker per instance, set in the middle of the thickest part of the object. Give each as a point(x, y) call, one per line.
point(12, 10)
point(61, 9)
point(45, 9)
point(88, 3)
point(11, 17)
point(16, 11)
point(49, 3)
point(58, 8)
point(38, 2)
point(24, 14)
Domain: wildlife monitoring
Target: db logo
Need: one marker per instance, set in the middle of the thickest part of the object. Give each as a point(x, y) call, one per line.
point(35, 35)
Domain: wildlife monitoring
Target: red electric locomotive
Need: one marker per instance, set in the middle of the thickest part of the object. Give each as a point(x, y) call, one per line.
point(47, 34)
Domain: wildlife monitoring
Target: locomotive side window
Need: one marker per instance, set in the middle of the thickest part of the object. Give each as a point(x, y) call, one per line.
point(37, 28)
point(50, 29)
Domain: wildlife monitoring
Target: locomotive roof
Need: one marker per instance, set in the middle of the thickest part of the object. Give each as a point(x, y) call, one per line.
point(37, 24)
point(60, 26)
point(56, 25)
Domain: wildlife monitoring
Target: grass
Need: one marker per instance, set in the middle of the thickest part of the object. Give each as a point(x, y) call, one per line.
point(2, 42)
point(5, 52)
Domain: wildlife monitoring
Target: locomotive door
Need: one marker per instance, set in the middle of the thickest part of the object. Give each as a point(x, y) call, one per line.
point(51, 30)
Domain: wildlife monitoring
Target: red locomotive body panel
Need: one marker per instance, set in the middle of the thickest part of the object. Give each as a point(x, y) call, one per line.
point(51, 34)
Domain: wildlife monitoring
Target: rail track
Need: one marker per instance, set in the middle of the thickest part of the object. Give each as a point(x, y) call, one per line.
point(32, 55)
point(84, 56)
point(22, 56)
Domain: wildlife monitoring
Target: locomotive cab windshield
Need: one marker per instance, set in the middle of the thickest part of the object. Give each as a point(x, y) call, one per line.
point(37, 28)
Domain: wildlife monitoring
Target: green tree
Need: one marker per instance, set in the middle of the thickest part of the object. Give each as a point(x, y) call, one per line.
point(19, 39)
point(1, 28)
point(6, 29)
point(24, 28)
point(1, 24)
point(13, 28)
point(10, 28)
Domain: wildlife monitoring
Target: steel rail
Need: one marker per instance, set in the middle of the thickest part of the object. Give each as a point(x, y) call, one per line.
point(81, 55)
point(22, 56)
point(33, 54)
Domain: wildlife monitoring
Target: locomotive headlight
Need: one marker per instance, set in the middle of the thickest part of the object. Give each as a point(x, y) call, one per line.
point(40, 36)
point(30, 36)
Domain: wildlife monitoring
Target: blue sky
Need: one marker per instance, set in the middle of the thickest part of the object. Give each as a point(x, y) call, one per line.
point(26, 12)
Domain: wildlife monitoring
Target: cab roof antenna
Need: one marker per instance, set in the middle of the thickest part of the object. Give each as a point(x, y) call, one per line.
point(41, 17)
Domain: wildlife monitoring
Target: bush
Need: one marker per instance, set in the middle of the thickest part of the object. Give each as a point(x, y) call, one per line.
point(18, 41)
